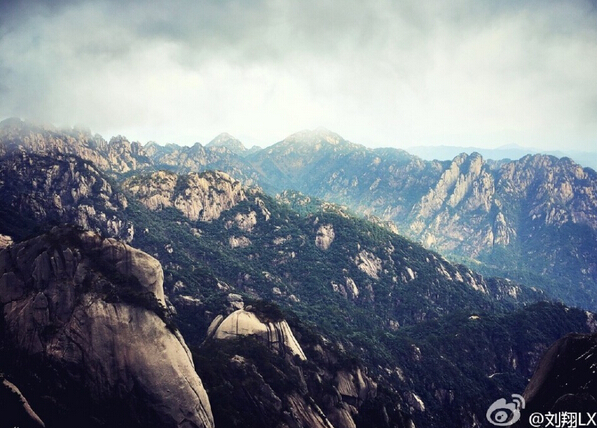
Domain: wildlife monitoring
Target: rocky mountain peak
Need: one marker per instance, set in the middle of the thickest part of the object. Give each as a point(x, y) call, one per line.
point(228, 141)
point(314, 137)
point(13, 122)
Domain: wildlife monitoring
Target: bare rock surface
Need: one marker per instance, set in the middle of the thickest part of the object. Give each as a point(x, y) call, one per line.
point(93, 310)
point(197, 196)
point(244, 323)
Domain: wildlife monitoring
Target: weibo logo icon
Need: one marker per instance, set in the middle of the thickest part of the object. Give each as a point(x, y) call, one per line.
point(503, 414)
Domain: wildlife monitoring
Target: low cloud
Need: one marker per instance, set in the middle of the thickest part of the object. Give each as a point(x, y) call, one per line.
point(381, 73)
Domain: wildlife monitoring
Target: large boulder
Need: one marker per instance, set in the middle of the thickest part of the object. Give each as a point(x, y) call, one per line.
point(277, 335)
point(85, 328)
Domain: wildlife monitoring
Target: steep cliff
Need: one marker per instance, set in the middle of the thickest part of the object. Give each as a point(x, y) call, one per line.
point(277, 335)
point(496, 206)
point(198, 196)
point(86, 337)
point(245, 352)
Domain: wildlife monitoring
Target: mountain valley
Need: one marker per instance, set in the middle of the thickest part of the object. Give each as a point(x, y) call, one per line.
point(391, 333)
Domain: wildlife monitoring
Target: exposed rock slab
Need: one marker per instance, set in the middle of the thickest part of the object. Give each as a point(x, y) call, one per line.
point(197, 196)
point(90, 309)
point(244, 323)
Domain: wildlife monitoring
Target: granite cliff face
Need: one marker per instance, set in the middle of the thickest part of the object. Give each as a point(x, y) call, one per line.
point(84, 322)
point(318, 391)
point(198, 196)
point(535, 215)
point(488, 205)
point(277, 335)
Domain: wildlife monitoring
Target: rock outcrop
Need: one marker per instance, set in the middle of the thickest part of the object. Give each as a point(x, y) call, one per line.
point(270, 378)
point(325, 236)
point(16, 410)
point(92, 310)
point(5, 241)
point(60, 189)
point(368, 263)
point(197, 196)
point(277, 335)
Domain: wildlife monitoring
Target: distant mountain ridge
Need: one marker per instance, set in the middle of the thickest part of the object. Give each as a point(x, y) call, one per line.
point(235, 146)
point(533, 219)
point(511, 152)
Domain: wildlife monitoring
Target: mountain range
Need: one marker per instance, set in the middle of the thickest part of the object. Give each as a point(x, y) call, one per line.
point(510, 152)
point(532, 220)
point(296, 311)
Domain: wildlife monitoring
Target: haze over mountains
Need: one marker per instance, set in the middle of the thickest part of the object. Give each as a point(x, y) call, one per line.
point(531, 219)
point(339, 320)
point(510, 151)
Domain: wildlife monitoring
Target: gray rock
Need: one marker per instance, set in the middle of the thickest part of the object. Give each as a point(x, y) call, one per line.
point(197, 196)
point(277, 335)
point(31, 418)
point(55, 307)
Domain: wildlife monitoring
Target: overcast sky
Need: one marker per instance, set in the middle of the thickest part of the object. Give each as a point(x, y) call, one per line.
point(378, 72)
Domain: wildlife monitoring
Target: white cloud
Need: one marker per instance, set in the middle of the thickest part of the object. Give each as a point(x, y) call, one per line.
point(380, 72)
